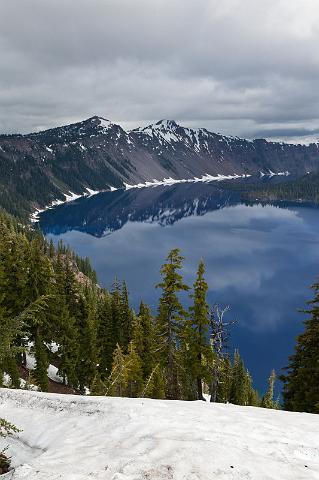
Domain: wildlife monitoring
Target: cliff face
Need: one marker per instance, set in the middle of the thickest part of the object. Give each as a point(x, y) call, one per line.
point(98, 154)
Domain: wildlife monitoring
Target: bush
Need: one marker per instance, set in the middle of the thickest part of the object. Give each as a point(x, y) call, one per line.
point(6, 428)
point(4, 462)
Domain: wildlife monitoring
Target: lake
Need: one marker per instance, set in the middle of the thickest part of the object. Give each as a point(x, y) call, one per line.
point(260, 259)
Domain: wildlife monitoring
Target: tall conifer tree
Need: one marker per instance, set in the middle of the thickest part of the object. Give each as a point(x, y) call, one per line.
point(199, 345)
point(170, 320)
point(301, 382)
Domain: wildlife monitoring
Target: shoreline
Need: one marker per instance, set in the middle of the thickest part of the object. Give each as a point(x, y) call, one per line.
point(71, 196)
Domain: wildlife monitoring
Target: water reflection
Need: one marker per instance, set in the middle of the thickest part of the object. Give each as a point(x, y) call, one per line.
point(260, 259)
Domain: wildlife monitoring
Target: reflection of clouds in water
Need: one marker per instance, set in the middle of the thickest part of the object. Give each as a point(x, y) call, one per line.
point(240, 215)
point(258, 258)
point(260, 261)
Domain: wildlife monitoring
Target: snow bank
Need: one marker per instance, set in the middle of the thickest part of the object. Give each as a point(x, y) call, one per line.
point(173, 181)
point(80, 438)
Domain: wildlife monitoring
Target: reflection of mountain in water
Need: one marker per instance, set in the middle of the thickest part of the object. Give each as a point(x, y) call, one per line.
point(106, 212)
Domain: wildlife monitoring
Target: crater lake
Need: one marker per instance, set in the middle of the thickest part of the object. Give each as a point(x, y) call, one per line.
point(260, 259)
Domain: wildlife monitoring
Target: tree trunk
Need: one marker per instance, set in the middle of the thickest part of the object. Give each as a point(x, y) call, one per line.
point(214, 386)
point(200, 389)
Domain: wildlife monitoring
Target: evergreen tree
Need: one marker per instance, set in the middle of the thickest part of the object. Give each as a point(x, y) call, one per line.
point(224, 377)
point(9, 331)
point(154, 386)
point(126, 316)
point(11, 368)
point(68, 347)
point(118, 380)
point(170, 321)
point(106, 336)
point(143, 338)
point(98, 387)
point(116, 309)
point(201, 354)
point(88, 342)
point(134, 372)
point(42, 364)
point(241, 382)
point(268, 399)
point(301, 382)
point(51, 249)
point(254, 398)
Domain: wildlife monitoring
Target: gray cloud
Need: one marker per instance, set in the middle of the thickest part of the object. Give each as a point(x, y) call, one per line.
point(242, 67)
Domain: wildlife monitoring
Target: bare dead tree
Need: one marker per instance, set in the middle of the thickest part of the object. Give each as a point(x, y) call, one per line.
point(220, 334)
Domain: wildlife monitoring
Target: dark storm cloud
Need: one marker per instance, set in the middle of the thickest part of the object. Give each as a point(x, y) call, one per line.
point(237, 66)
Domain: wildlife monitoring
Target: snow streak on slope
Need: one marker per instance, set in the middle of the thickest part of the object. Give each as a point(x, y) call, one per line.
point(80, 438)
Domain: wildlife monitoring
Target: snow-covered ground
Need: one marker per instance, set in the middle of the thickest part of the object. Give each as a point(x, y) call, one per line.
point(81, 438)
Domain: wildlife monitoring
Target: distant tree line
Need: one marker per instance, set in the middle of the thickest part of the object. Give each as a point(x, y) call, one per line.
point(304, 189)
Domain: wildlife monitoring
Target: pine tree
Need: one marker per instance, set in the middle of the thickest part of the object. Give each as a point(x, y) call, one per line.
point(170, 321)
point(126, 316)
point(64, 315)
point(42, 364)
point(68, 347)
point(241, 382)
point(106, 336)
point(224, 377)
point(12, 369)
point(268, 399)
point(51, 249)
point(9, 330)
point(88, 357)
point(154, 386)
point(143, 338)
point(116, 309)
point(118, 380)
point(301, 382)
point(254, 398)
point(98, 387)
point(135, 372)
point(198, 335)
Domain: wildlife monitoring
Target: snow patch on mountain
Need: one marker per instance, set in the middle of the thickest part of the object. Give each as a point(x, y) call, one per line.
point(104, 124)
point(174, 181)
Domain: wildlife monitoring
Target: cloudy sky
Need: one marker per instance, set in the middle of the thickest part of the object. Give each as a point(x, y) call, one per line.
point(242, 67)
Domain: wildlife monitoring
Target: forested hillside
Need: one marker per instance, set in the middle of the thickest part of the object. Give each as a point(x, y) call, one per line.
point(304, 189)
point(54, 314)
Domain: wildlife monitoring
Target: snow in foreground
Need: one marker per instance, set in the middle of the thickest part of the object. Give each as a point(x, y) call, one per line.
point(70, 437)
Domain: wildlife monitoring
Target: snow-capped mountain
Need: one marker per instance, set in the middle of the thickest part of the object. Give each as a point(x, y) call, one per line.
point(93, 128)
point(195, 152)
point(97, 154)
point(168, 134)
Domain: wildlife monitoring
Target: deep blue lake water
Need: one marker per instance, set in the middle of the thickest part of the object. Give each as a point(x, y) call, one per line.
point(260, 259)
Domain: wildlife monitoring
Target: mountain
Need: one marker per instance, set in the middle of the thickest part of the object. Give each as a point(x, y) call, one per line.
point(96, 154)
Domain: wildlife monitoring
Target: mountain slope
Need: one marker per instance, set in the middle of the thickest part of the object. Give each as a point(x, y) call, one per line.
point(40, 167)
point(77, 438)
point(190, 152)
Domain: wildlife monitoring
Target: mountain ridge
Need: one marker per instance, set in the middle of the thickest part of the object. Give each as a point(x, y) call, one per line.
point(161, 122)
point(98, 154)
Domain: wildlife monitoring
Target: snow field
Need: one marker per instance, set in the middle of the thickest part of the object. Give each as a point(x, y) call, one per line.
point(79, 438)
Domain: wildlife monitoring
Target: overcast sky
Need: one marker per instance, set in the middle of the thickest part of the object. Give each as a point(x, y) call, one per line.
point(241, 67)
